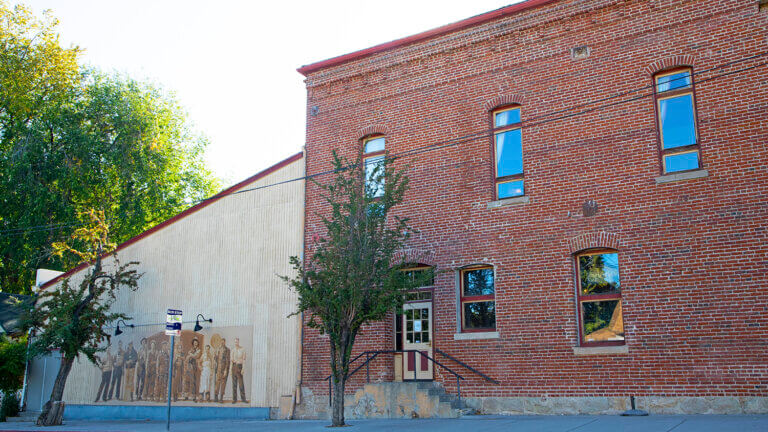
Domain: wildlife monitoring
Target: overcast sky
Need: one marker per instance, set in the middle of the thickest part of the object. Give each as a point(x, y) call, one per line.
point(232, 64)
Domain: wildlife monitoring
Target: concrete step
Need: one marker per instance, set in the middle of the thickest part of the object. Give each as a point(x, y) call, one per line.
point(403, 400)
point(23, 417)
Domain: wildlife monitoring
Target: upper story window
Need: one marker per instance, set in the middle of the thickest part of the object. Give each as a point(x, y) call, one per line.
point(676, 111)
point(478, 299)
point(599, 298)
point(508, 152)
point(373, 157)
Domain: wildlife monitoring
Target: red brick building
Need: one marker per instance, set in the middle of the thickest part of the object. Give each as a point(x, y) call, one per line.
point(591, 176)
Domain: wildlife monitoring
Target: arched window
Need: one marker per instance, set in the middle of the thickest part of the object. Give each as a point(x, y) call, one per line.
point(508, 151)
point(676, 120)
point(599, 298)
point(374, 148)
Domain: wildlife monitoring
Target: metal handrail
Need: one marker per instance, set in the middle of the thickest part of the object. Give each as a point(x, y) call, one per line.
point(371, 355)
point(482, 375)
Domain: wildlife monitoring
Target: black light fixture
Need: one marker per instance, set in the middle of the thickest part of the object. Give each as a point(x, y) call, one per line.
point(198, 327)
point(118, 332)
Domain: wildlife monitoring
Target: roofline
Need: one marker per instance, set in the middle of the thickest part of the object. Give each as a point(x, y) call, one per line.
point(419, 37)
point(182, 215)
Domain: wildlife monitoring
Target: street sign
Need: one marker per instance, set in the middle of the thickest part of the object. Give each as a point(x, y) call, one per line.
point(173, 323)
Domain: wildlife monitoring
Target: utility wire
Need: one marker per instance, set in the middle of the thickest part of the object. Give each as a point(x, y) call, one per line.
point(453, 141)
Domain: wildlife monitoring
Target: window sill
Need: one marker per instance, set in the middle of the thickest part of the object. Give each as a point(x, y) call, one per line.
point(508, 202)
point(601, 350)
point(476, 335)
point(668, 178)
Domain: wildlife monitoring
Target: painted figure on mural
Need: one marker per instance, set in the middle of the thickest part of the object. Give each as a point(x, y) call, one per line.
point(105, 364)
point(117, 372)
point(222, 371)
point(151, 375)
point(191, 370)
point(206, 374)
point(161, 385)
point(238, 360)
point(141, 368)
point(178, 372)
point(129, 371)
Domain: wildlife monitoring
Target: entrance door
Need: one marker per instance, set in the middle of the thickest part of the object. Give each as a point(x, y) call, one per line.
point(417, 335)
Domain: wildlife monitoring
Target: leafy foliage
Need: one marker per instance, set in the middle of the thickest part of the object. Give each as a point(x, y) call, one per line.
point(72, 317)
point(73, 139)
point(13, 354)
point(351, 276)
point(10, 406)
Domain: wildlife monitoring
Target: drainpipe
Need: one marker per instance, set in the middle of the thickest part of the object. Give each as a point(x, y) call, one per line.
point(299, 369)
point(26, 372)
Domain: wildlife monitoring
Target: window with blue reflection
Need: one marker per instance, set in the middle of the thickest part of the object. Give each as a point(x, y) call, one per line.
point(509, 153)
point(681, 162)
point(673, 81)
point(374, 176)
point(506, 118)
point(510, 189)
point(678, 126)
point(374, 145)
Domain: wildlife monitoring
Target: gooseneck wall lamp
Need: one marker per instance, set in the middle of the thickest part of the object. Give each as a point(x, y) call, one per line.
point(118, 332)
point(198, 327)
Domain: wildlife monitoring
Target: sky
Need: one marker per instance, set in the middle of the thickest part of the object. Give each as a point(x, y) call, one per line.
point(232, 64)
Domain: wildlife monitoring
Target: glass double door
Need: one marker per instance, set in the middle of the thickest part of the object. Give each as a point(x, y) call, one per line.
point(417, 338)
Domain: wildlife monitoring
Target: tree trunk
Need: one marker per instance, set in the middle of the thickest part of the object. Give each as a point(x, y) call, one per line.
point(53, 410)
point(337, 403)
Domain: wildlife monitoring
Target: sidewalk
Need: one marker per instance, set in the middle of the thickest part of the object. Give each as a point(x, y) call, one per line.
point(699, 423)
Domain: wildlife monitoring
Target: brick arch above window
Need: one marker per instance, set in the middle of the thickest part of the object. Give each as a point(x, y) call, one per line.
point(594, 240)
point(419, 256)
point(372, 130)
point(670, 62)
point(503, 100)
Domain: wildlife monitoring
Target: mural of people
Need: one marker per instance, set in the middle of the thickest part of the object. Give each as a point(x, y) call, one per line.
point(238, 360)
point(141, 368)
point(133, 369)
point(129, 366)
point(105, 364)
point(191, 370)
point(222, 370)
point(178, 372)
point(151, 375)
point(117, 372)
point(206, 374)
point(161, 385)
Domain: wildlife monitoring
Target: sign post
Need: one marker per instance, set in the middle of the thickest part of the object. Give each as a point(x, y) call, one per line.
point(172, 329)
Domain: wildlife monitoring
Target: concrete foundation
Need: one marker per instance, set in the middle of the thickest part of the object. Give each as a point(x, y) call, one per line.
point(408, 400)
point(616, 405)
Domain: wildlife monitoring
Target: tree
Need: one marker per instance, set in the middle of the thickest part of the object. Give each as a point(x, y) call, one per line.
point(351, 276)
point(13, 355)
point(71, 317)
point(73, 139)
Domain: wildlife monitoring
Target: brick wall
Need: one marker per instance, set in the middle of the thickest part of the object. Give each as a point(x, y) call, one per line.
point(693, 253)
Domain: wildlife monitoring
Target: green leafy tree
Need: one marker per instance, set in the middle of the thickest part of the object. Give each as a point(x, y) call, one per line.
point(71, 317)
point(351, 276)
point(13, 355)
point(87, 141)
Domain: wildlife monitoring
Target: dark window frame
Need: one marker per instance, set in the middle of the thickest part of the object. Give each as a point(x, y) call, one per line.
point(497, 130)
point(657, 97)
point(581, 298)
point(475, 299)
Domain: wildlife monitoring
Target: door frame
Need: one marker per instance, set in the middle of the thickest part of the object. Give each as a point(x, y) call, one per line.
point(431, 351)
